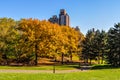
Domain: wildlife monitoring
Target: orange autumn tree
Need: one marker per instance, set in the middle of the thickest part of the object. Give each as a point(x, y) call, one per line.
point(27, 40)
point(39, 38)
point(74, 39)
point(44, 39)
point(50, 36)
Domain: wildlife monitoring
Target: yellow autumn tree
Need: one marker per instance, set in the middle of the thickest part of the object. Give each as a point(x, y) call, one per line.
point(26, 45)
point(44, 39)
point(73, 40)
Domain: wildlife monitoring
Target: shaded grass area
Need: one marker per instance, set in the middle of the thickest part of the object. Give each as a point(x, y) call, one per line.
point(103, 66)
point(43, 67)
point(105, 74)
point(60, 67)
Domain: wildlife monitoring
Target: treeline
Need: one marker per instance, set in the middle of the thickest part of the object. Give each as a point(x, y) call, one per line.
point(102, 46)
point(27, 40)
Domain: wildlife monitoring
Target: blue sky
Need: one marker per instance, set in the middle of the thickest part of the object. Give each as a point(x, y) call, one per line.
point(87, 14)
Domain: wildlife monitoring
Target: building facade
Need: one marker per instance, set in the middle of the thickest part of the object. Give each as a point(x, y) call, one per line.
point(62, 20)
point(54, 19)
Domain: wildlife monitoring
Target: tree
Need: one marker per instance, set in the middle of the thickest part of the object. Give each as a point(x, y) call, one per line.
point(75, 38)
point(29, 39)
point(8, 35)
point(103, 45)
point(41, 38)
point(100, 41)
point(88, 47)
point(114, 45)
point(94, 45)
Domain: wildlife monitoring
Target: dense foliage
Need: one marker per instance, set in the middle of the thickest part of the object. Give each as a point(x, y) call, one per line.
point(94, 45)
point(114, 45)
point(27, 40)
point(102, 46)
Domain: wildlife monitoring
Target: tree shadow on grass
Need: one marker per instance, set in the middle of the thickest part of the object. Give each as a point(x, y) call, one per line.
point(93, 67)
point(98, 67)
point(78, 66)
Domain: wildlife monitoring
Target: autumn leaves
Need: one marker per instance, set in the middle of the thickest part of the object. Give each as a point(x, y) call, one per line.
point(35, 38)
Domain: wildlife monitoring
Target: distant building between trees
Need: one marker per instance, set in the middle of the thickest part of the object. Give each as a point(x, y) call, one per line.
point(63, 18)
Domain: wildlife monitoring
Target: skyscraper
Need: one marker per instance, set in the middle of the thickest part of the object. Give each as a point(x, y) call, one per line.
point(62, 20)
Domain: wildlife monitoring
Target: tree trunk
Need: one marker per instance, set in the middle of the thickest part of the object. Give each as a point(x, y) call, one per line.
point(71, 56)
point(90, 60)
point(62, 56)
point(36, 55)
point(4, 56)
point(98, 58)
point(102, 58)
point(86, 60)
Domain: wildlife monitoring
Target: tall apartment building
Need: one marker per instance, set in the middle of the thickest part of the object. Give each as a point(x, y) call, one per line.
point(62, 20)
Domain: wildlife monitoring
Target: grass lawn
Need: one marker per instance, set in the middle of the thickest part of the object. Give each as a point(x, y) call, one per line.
point(102, 74)
point(99, 72)
point(60, 67)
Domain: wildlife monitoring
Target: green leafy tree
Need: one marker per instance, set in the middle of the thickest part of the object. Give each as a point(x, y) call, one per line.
point(94, 45)
point(100, 41)
point(114, 45)
point(103, 45)
point(88, 48)
point(8, 35)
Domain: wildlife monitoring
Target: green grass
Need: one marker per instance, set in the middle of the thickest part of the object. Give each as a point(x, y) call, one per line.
point(104, 74)
point(60, 67)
